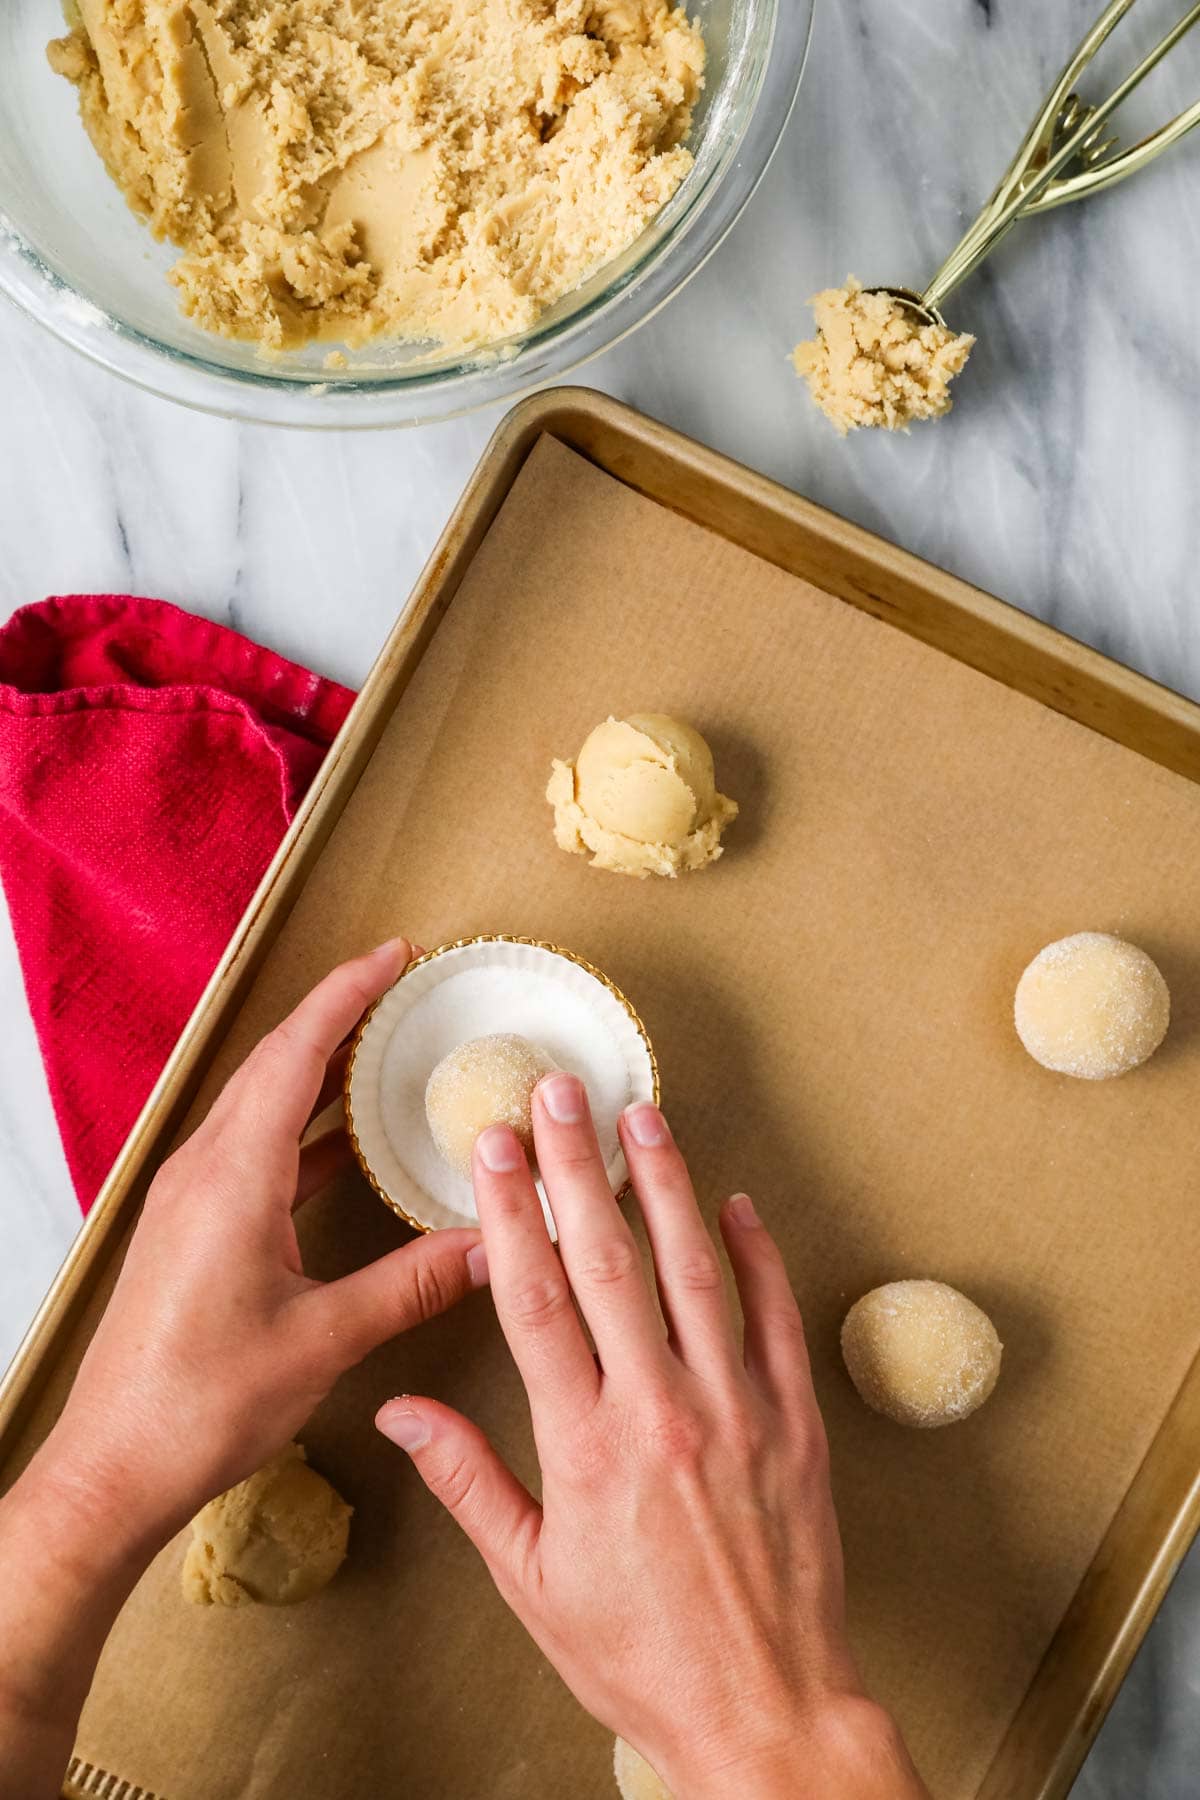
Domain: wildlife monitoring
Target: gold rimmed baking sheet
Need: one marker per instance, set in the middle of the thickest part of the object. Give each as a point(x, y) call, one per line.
point(932, 786)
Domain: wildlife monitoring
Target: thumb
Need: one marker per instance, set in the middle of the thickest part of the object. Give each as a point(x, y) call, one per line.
point(460, 1468)
point(400, 1290)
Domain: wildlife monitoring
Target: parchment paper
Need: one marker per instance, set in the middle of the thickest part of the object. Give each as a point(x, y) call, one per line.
point(831, 1006)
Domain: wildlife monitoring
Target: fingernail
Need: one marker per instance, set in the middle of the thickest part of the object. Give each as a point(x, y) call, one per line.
point(405, 1428)
point(393, 947)
point(477, 1267)
point(647, 1126)
point(741, 1211)
point(562, 1097)
point(499, 1151)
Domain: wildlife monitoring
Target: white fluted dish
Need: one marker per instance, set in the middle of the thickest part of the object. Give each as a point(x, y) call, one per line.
point(474, 988)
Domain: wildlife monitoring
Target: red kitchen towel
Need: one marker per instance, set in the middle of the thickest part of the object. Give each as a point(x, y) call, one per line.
point(150, 762)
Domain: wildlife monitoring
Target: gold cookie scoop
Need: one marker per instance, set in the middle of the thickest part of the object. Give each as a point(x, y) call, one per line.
point(1064, 156)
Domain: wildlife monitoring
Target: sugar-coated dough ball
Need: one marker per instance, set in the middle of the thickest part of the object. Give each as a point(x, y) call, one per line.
point(1092, 1006)
point(486, 1081)
point(921, 1352)
point(275, 1538)
point(636, 1780)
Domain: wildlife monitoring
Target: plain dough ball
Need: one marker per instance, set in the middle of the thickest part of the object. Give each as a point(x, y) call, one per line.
point(636, 1780)
point(648, 777)
point(275, 1538)
point(921, 1352)
point(1092, 1006)
point(486, 1081)
point(641, 797)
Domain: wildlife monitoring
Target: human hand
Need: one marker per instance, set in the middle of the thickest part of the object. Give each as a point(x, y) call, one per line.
point(216, 1347)
point(683, 1572)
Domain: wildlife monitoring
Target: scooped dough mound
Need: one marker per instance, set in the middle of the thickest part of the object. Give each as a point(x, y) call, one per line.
point(425, 169)
point(921, 1352)
point(1092, 1006)
point(873, 362)
point(274, 1539)
point(636, 1780)
point(641, 797)
point(486, 1081)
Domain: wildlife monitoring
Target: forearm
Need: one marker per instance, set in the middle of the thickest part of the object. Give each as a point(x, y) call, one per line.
point(69, 1558)
point(851, 1750)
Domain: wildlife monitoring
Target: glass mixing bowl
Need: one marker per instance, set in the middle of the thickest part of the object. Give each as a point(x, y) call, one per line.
point(75, 257)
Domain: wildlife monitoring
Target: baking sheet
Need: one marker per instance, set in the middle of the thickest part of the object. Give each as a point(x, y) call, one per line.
point(831, 1009)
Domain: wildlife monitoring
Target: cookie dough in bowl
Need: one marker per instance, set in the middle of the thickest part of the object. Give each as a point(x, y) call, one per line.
point(476, 989)
point(77, 259)
point(441, 170)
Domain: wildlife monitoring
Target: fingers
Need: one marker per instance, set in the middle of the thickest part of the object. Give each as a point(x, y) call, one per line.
point(598, 1251)
point(332, 1082)
point(461, 1469)
point(776, 1356)
point(279, 1085)
point(400, 1290)
point(691, 1287)
point(529, 1287)
point(320, 1161)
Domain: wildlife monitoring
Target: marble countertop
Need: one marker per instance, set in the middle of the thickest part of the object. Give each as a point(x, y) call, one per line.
point(1064, 482)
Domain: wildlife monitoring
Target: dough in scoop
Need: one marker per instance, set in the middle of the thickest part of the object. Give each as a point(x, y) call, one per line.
point(1092, 1006)
point(874, 362)
point(486, 1081)
point(636, 1780)
point(921, 1352)
point(275, 1538)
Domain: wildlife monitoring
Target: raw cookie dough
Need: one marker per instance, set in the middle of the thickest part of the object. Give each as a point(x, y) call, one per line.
point(872, 362)
point(636, 1780)
point(437, 169)
point(1091, 1006)
point(921, 1352)
point(641, 796)
point(275, 1538)
point(486, 1081)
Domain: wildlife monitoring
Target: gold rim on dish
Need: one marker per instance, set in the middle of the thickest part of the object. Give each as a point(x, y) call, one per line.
point(416, 962)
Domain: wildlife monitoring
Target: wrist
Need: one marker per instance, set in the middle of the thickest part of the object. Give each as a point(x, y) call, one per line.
point(95, 1525)
point(75, 1554)
point(847, 1749)
point(866, 1754)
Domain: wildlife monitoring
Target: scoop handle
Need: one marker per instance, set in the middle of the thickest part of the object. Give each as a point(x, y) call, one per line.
point(1034, 180)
